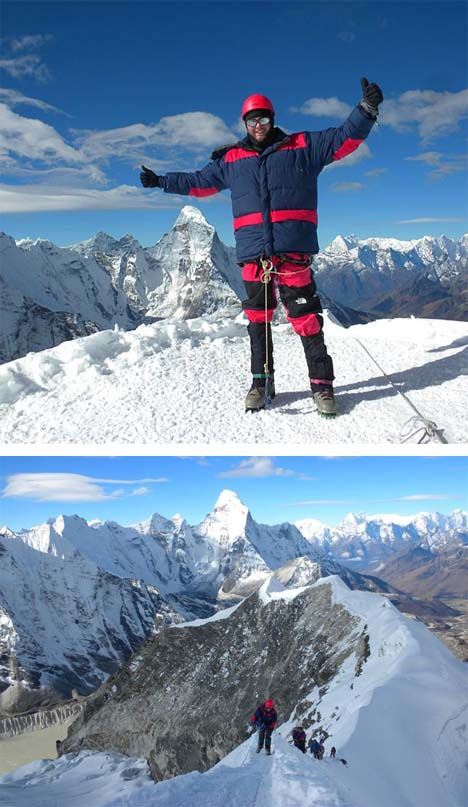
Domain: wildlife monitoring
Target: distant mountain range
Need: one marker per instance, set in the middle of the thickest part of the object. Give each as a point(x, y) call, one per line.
point(426, 277)
point(49, 294)
point(78, 598)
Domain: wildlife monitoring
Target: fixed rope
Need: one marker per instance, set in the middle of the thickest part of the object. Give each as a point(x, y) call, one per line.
point(417, 425)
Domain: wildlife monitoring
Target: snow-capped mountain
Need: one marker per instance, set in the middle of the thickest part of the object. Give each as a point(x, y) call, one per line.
point(345, 665)
point(121, 581)
point(201, 273)
point(366, 541)
point(381, 275)
point(189, 272)
point(99, 590)
point(50, 294)
point(65, 622)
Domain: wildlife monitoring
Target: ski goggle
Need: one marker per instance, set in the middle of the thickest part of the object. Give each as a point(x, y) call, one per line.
point(252, 122)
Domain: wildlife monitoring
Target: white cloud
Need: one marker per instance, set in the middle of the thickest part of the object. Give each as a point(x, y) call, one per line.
point(191, 130)
point(324, 108)
point(346, 187)
point(432, 220)
point(256, 466)
point(38, 198)
point(30, 41)
point(428, 157)
point(376, 172)
point(65, 487)
point(441, 164)
point(16, 98)
point(31, 139)
point(139, 491)
point(421, 497)
point(54, 487)
point(56, 179)
point(434, 114)
point(25, 66)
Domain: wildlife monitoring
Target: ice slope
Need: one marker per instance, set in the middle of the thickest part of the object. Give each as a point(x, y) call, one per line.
point(185, 382)
point(241, 780)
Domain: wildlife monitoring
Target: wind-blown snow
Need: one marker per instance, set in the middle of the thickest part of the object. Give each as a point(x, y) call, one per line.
point(185, 382)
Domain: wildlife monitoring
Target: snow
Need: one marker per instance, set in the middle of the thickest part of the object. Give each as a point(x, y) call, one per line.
point(401, 726)
point(185, 381)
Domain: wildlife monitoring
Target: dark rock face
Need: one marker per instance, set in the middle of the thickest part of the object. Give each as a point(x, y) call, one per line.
point(184, 702)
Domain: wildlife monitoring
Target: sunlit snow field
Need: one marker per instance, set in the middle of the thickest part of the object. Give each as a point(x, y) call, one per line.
point(185, 383)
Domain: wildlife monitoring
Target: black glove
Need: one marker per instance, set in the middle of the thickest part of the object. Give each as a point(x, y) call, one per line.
point(149, 179)
point(372, 96)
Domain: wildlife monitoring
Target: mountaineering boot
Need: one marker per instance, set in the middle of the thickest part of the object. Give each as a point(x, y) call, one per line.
point(255, 399)
point(269, 753)
point(324, 400)
point(258, 750)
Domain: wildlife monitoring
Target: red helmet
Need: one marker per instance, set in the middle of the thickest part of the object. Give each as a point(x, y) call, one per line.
point(269, 704)
point(256, 102)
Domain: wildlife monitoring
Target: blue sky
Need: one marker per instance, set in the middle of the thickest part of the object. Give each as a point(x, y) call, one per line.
point(128, 489)
point(89, 90)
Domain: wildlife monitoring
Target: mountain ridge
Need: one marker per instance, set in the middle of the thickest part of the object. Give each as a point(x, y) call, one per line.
point(104, 281)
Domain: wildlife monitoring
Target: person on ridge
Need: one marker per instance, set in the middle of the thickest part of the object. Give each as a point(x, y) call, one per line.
point(333, 752)
point(314, 748)
point(265, 719)
point(299, 738)
point(272, 177)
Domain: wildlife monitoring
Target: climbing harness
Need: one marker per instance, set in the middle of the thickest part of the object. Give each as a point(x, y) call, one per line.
point(268, 269)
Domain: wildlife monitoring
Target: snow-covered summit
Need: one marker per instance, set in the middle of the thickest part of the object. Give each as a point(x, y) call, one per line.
point(190, 214)
point(107, 244)
point(227, 522)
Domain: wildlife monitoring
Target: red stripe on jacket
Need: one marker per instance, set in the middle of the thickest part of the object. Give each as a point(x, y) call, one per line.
point(246, 221)
point(238, 154)
point(202, 191)
point(297, 215)
point(276, 216)
point(295, 141)
point(348, 147)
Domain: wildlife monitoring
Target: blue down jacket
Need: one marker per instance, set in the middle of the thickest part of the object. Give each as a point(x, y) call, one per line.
point(274, 193)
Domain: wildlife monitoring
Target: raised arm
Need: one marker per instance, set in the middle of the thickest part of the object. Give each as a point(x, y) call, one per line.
point(205, 182)
point(333, 144)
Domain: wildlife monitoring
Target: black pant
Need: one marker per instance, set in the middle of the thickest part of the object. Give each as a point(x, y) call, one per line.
point(298, 294)
point(264, 736)
point(301, 745)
